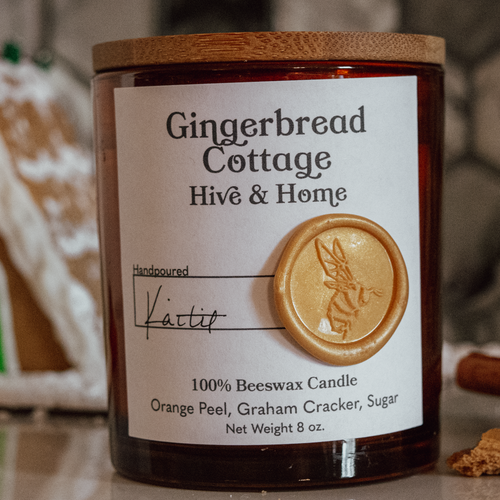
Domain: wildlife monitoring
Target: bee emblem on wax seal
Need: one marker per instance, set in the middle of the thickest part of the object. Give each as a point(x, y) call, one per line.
point(341, 288)
point(350, 296)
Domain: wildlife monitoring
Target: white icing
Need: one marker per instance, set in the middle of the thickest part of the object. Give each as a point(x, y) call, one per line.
point(71, 239)
point(33, 84)
point(68, 305)
point(80, 241)
point(66, 390)
point(70, 162)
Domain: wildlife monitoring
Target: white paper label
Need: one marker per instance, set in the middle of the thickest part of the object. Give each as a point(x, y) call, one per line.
point(213, 180)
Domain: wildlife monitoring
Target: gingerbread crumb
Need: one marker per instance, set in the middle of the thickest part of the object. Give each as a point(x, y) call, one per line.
point(483, 459)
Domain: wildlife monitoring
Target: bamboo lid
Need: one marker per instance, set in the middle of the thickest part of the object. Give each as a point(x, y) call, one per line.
point(269, 46)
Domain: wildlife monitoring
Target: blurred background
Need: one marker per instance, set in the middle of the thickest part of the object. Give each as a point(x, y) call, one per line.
point(59, 34)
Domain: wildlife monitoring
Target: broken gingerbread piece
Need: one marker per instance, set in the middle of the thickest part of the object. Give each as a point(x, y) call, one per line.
point(483, 459)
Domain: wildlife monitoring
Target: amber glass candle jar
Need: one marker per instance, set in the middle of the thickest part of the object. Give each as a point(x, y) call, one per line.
point(269, 220)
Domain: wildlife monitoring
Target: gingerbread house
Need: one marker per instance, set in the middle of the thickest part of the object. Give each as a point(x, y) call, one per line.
point(51, 344)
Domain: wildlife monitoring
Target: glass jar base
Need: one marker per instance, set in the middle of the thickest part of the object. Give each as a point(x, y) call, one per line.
point(257, 468)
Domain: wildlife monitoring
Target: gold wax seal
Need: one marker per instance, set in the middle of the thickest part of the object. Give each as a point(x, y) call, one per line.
point(341, 288)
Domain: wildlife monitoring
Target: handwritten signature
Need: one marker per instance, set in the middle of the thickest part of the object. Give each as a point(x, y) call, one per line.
point(191, 320)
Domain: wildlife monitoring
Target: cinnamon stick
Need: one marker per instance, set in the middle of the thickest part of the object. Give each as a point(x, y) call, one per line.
point(480, 373)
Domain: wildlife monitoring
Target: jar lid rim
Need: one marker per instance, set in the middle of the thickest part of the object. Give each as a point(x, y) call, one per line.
point(269, 46)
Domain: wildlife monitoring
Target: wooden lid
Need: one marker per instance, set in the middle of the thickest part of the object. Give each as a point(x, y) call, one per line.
point(269, 46)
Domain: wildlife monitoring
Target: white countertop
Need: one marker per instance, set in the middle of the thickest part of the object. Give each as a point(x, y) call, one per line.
point(66, 457)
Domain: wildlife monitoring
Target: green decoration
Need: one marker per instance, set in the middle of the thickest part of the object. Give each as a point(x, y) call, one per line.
point(43, 59)
point(11, 52)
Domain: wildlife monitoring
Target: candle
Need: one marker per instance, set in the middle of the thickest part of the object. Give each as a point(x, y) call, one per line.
point(269, 220)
